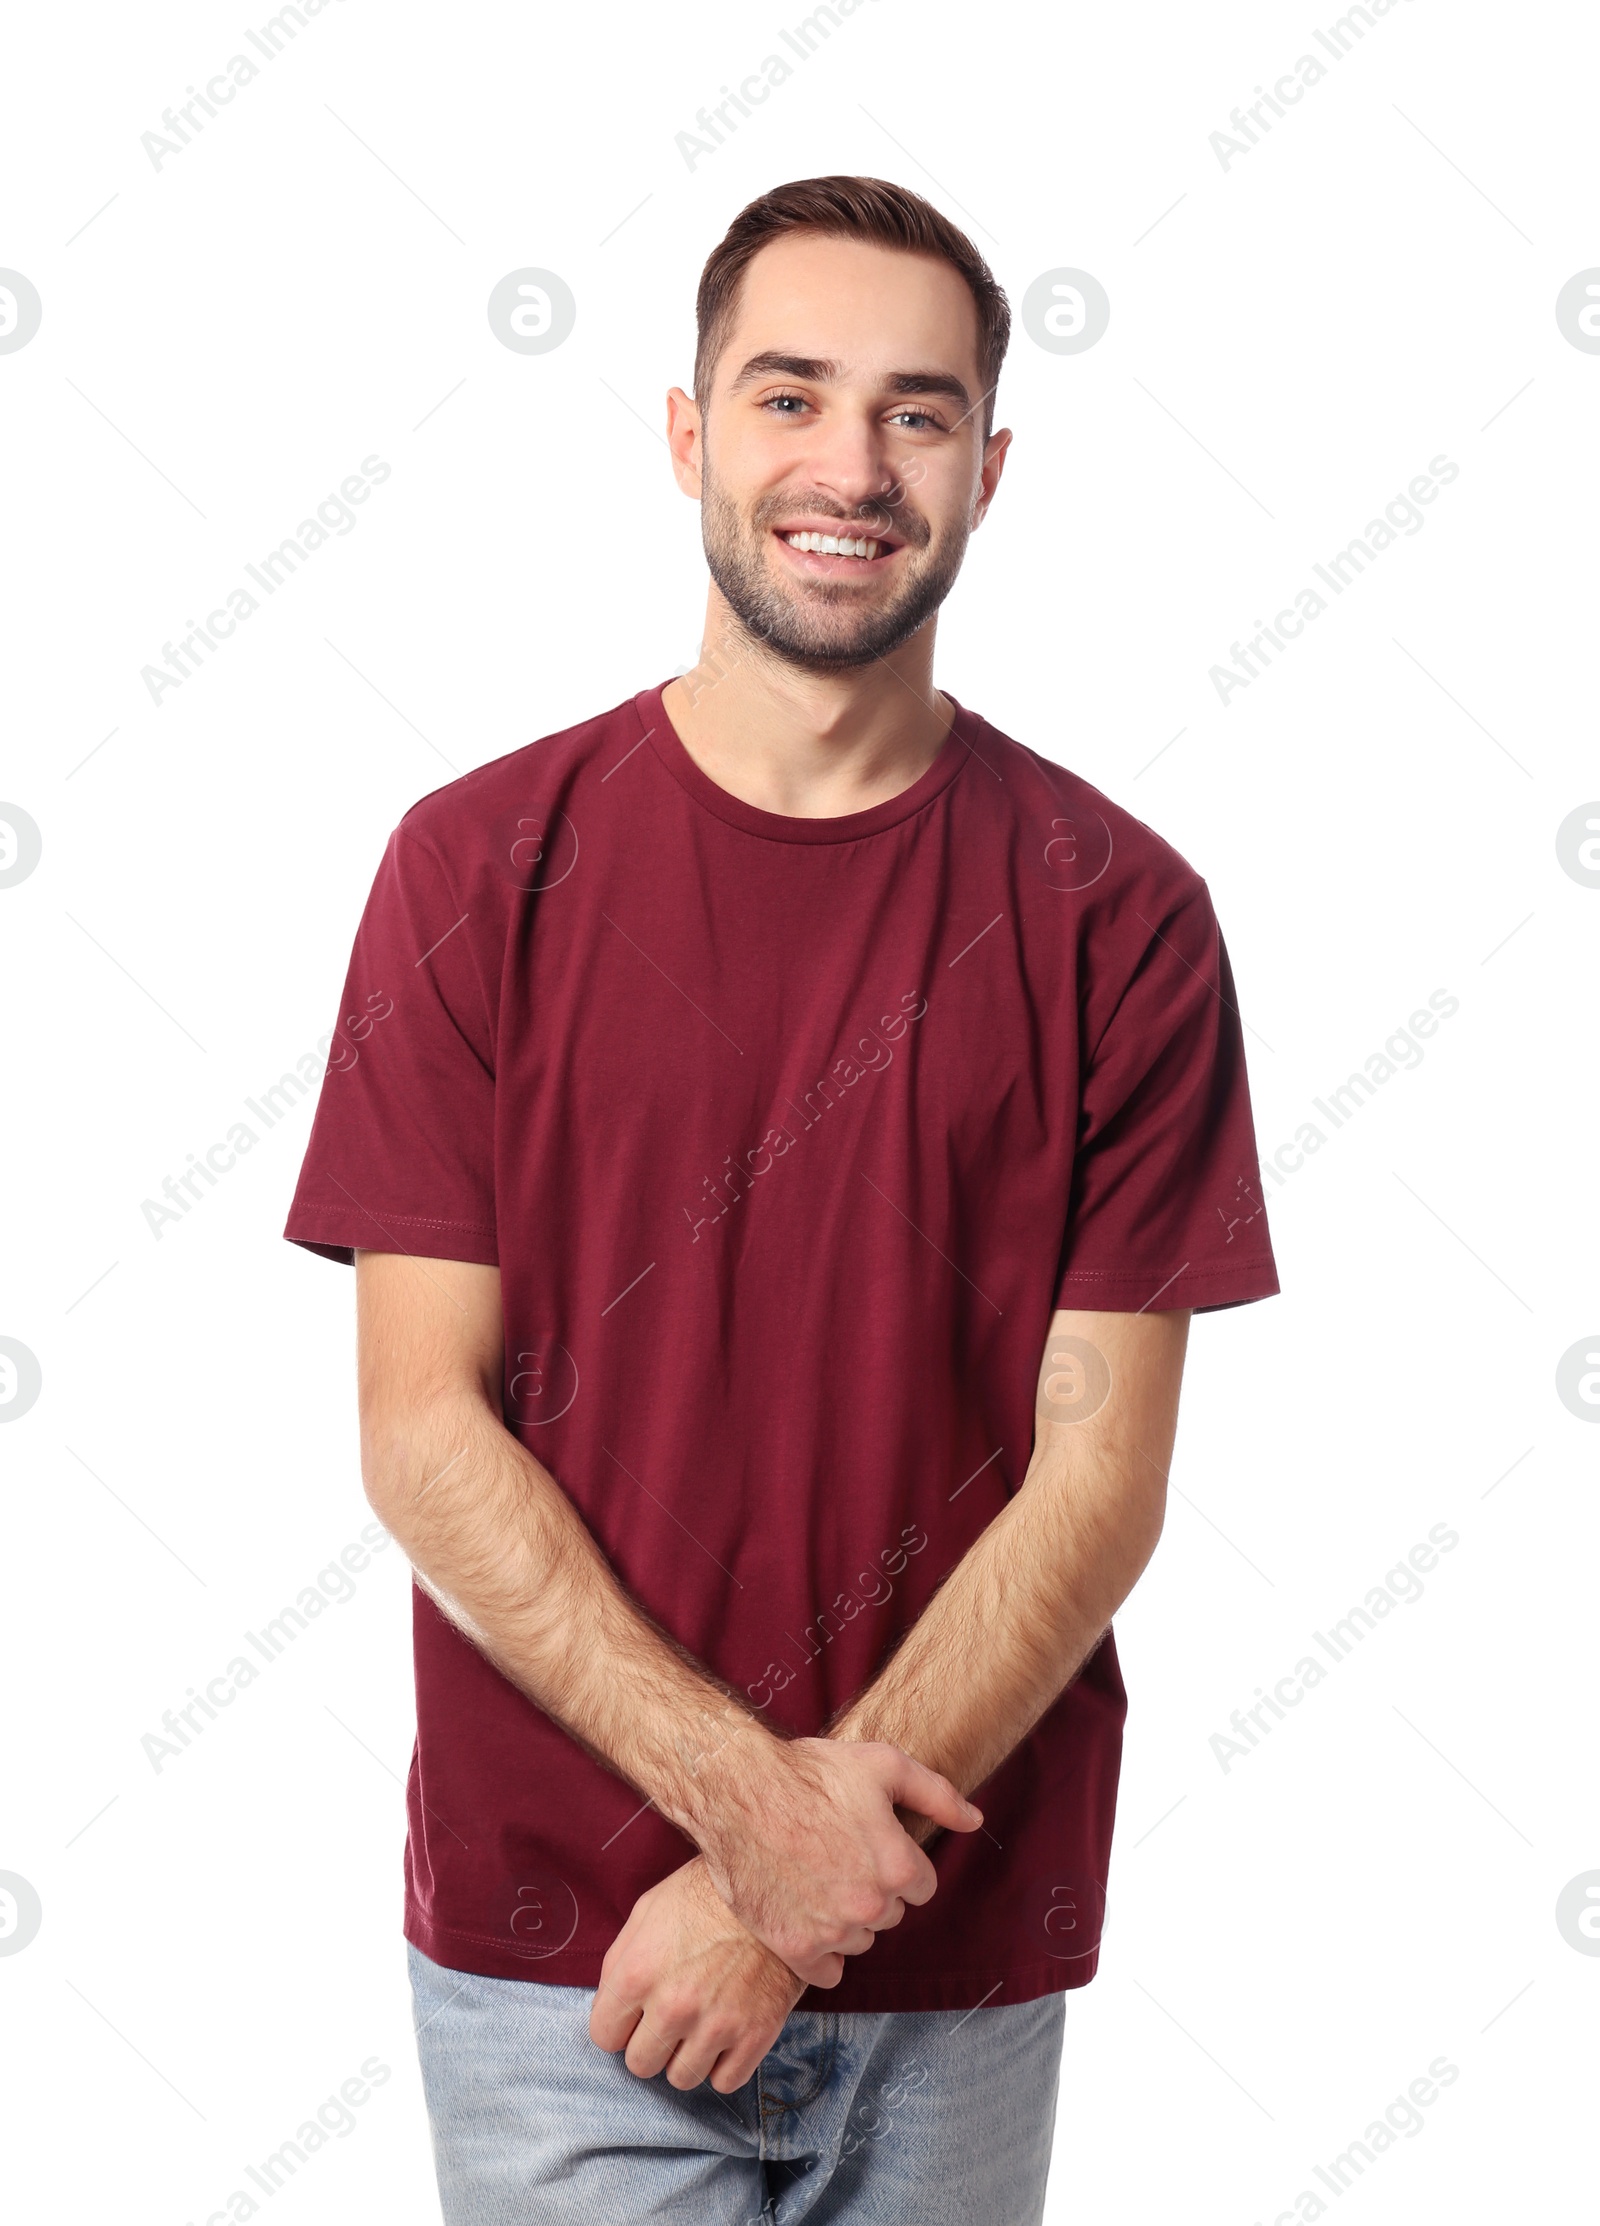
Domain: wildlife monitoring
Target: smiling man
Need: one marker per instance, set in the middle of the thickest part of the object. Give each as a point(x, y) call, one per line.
point(805, 1123)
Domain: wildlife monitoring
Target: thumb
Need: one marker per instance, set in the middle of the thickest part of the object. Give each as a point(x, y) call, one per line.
point(931, 1794)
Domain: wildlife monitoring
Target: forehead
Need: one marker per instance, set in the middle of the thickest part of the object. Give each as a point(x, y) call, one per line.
point(870, 309)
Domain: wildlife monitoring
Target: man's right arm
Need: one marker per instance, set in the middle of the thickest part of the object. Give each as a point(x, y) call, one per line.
point(799, 1836)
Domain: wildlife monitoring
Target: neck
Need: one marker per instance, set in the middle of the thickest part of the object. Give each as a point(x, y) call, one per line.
point(808, 744)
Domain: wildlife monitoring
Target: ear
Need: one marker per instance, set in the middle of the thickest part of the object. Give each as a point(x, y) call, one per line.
point(994, 457)
point(683, 439)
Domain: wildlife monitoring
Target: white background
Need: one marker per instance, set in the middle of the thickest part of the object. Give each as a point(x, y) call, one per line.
point(1289, 1942)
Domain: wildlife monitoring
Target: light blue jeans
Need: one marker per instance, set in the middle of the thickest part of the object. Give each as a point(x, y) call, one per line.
point(902, 2118)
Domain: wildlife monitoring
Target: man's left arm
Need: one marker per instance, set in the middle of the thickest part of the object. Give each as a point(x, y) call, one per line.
point(1019, 1614)
point(685, 1989)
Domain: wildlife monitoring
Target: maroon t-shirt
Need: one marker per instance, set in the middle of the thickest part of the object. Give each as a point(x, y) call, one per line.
point(788, 1136)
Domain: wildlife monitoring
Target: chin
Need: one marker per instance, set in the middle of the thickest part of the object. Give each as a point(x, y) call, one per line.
point(832, 653)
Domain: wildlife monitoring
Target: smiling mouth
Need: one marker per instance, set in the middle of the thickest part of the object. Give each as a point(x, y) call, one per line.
point(838, 554)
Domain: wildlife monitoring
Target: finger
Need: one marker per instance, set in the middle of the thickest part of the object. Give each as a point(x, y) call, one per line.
point(692, 2062)
point(613, 2017)
point(741, 2059)
point(826, 1968)
point(931, 1794)
point(819, 1943)
point(735, 2066)
point(922, 1883)
point(651, 2048)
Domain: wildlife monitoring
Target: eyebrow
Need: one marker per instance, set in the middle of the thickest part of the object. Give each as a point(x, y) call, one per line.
point(822, 370)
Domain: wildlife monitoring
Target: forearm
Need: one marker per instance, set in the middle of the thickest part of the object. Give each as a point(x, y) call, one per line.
point(502, 1550)
point(798, 1836)
point(1029, 1601)
point(1005, 1634)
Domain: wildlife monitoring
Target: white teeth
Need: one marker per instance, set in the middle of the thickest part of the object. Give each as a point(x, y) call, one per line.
point(828, 544)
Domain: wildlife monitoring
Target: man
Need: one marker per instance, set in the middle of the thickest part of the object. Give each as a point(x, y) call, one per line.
point(782, 1128)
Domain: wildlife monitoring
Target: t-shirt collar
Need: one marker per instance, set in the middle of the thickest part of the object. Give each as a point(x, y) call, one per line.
point(953, 754)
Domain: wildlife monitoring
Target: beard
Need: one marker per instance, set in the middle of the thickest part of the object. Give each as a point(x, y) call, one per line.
point(821, 625)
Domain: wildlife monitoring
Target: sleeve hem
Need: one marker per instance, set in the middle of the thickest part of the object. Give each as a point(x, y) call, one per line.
point(1201, 1290)
point(338, 1236)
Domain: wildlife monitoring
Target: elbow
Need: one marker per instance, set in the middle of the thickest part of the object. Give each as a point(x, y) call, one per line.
point(382, 1466)
point(408, 1447)
point(395, 1462)
point(1147, 1516)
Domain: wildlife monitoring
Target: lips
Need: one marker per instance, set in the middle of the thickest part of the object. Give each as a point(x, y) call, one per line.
point(832, 564)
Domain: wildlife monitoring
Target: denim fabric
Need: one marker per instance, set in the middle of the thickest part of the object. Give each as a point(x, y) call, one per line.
point(897, 2118)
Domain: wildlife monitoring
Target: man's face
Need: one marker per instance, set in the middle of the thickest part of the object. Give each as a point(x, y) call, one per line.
point(847, 403)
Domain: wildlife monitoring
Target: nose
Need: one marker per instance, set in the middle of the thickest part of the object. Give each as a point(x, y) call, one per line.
point(850, 457)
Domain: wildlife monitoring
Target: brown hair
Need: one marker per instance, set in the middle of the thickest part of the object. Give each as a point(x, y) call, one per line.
point(846, 208)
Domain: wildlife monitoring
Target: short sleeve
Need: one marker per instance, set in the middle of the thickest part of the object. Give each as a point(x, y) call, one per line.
point(401, 1152)
point(1165, 1206)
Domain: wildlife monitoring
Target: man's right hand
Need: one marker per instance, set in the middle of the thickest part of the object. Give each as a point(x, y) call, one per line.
point(810, 1856)
point(685, 1989)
